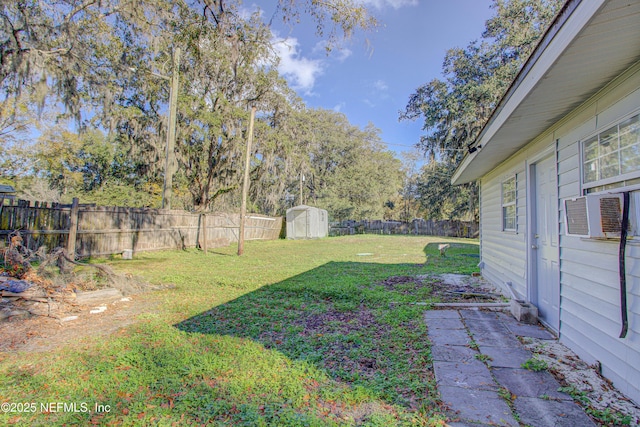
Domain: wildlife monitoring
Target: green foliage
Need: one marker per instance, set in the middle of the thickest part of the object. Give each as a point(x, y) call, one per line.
point(475, 78)
point(455, 108)
point(106, 64)
point(506, 394)
point(440, 199)
point(351, 174)
point(534, 364)
point(606, 417)
point(293, 333)
point(482, 357)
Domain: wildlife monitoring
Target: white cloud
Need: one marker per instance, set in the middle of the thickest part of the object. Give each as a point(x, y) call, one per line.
point(338, 107)
point(299, 71)
point(340, 53)
point(369, 103)
point(396, 4)
point(380, 85)
point(246, 12)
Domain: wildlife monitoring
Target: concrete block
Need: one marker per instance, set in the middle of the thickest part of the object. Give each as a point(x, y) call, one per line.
point(524, 312)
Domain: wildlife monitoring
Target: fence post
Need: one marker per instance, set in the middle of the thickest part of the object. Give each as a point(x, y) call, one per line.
point(204, 232)
point(73, 228)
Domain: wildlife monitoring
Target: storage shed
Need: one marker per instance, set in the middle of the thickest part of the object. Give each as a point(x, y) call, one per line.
point(7, 192)
point(307, 222)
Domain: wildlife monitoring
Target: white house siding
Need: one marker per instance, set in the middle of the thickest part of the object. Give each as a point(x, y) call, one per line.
point(504, 253)
point(589, 283)
point(590, 291)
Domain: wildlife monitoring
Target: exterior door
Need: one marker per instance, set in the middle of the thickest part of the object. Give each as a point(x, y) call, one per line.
point(545, 254)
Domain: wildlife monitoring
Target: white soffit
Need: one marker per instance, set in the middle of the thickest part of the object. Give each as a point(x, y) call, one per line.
point(595, 44)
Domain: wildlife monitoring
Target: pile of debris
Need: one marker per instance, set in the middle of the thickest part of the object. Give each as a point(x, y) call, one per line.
point(32, 295)
point(59, 286)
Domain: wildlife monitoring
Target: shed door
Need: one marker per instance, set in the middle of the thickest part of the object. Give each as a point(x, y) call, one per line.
point(546, 286)
point(300, 224)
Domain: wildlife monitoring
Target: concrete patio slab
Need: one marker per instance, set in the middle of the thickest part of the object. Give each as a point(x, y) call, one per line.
point(496, 339)
point(469, 386)
point(550, 413)
point(478, 314)
point(445, 324)
point(525, 383)
point(505, 357)
point(441, 314)
point(477, 406)
point(472, 374)
point(453, 353)
point(483, 325)
point(533, 331)
point(448, 336)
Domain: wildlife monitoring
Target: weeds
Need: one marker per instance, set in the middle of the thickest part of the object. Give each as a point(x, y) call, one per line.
point(292, 333)
point(536, 365)
point(483, 357)
point(606, 417)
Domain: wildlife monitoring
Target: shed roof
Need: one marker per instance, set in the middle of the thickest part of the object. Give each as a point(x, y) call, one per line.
point(589, 44)
point(6, 189)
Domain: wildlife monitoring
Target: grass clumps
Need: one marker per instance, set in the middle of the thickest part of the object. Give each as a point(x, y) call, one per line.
point(294, 333)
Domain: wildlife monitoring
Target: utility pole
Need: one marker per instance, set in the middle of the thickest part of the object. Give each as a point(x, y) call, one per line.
point(171, 134)
point(245, 184)
point(301, 188)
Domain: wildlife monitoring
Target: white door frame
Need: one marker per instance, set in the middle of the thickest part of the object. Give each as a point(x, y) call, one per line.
point(532, 279)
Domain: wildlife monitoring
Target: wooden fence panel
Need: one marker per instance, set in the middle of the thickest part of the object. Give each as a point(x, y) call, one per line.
point(111, 230)
point(416, 227)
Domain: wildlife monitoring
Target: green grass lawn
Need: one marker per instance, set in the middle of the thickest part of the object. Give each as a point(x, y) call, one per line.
point(293, 333)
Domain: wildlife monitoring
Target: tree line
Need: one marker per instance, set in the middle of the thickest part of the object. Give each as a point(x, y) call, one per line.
point(87, 80)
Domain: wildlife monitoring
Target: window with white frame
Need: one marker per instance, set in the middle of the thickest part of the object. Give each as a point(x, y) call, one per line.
point(611, 158)
point(509, 198)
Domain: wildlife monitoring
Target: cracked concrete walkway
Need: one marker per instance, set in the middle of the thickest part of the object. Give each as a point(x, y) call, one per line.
point(471, 382)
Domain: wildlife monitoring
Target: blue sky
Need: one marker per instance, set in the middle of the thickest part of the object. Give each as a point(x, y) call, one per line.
point(372, 76)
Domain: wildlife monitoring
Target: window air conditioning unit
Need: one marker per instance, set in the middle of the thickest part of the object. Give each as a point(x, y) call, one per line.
point(594, 215)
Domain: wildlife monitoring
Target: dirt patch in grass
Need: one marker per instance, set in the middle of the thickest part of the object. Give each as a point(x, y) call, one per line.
point(404, 284)
point(347, 334)
point(444, 288)
point(39, 334)
point(469, 289)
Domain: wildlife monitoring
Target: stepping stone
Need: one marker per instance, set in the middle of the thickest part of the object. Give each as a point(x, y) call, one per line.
point(505, 357)
point(477, 406)
point(448, 336)
point(453, 353)
point(471, 374)
point(445, 324)
point(506, 317)
point(477, 314)
point(525, 383)
point(532, 331)
point(441, 314)
point(551, 413)
point(487, 326)
point(495, 339)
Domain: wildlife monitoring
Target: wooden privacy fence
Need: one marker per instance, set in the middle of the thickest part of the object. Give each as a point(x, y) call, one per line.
point(91, 230)
point(418, 227)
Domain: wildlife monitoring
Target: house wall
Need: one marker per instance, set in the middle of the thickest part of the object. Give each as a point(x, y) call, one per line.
point(589, 282)
point(589, 279)
point(505, 253)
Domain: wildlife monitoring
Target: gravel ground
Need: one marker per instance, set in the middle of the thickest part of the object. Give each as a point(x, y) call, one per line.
point(591, 389)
